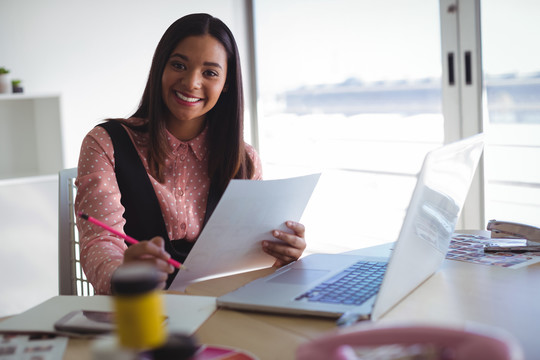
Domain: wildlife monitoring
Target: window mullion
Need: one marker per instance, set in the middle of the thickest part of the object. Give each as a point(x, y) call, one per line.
point(471, 104)
point(451, 66)
point(462, 90)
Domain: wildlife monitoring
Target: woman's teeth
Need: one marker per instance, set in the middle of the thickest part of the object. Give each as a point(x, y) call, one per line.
point(185, 98)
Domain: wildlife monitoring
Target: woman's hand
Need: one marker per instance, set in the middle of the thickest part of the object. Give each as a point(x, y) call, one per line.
point(151, 252)
point(291, 246)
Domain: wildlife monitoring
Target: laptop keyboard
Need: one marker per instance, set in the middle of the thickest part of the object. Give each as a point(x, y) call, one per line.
point(352, 286)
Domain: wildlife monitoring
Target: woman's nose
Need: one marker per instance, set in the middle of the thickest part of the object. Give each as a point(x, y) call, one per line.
point(192, 80)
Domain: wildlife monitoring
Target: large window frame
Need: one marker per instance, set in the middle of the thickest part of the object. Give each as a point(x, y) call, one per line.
point(462, 88)
point(462, 91)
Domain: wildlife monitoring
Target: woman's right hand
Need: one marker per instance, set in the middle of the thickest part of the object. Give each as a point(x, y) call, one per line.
point(151, 252)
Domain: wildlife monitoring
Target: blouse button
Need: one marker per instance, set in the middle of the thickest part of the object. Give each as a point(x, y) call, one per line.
point(183, 157)
point(183, 226)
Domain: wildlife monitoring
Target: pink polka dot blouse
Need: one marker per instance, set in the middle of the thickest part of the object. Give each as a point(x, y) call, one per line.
point(182, 196)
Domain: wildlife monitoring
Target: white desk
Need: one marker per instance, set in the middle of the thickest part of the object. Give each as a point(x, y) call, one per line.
point(460, 292)
point(457, 294)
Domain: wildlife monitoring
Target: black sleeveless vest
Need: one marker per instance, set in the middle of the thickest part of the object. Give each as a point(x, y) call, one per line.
point(144, 219)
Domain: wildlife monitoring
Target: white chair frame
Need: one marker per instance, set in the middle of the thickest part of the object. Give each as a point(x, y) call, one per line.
point(71, 277)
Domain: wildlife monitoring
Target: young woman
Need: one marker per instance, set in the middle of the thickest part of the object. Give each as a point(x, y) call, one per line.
point(159, 174)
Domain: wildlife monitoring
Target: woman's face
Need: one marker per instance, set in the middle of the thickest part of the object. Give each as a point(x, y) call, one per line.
point(192, 82)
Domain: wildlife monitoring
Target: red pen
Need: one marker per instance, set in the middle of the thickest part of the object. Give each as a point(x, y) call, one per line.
point(129, 239)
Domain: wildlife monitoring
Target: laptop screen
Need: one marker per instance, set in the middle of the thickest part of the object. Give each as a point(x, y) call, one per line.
point(436, 203)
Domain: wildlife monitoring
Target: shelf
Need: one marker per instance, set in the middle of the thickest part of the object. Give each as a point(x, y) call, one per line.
point(27, 96)
point(30, 135)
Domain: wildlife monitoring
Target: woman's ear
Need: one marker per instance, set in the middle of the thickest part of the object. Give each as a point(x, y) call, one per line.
point(225, 88)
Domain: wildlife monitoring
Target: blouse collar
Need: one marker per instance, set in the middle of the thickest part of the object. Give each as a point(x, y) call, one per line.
point(198, 144)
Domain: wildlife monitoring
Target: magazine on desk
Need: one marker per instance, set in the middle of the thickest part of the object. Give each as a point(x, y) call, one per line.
point(470, 248)
point(245, 216)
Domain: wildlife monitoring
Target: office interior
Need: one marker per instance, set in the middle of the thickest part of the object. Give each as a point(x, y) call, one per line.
point(357, 90)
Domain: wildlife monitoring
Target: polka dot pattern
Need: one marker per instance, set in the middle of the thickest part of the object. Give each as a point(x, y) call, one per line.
point(182, 196)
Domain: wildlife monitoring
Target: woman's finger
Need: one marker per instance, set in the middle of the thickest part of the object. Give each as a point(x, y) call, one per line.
point(151, 252)
point(291, 246)
point(283, 255)
point(298, 228)
point(296, 239)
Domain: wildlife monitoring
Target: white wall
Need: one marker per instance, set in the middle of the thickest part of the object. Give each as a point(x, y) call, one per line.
point(28, 245)
point(96, 54)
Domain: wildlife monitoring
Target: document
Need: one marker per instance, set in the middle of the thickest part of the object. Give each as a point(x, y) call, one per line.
point(32, 347)
point(185, 313)
point(245, 216)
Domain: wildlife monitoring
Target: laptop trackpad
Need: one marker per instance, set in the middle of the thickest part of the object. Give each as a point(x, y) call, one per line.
point(298, 276)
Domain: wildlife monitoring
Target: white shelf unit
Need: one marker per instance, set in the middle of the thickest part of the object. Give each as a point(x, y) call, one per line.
point(30, 135)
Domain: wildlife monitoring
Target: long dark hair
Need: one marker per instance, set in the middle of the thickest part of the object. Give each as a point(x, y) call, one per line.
point(227, 155)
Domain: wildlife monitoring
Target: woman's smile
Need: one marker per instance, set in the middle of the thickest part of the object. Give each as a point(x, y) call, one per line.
point(187, 98)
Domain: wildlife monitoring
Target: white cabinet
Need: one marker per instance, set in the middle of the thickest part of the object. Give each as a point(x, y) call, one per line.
point(30, 135)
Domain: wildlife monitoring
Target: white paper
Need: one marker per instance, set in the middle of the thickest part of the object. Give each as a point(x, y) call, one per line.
point(245, 216)
point(185, 313)
point(27, 347)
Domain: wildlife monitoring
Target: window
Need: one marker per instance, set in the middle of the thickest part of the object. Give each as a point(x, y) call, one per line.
point(351, 89)
point(511, 62)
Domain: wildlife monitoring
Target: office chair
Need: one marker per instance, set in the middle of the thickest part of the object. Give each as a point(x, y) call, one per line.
point(71, 278)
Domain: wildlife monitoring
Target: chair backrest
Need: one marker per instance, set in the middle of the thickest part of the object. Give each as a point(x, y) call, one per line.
point(71, 278)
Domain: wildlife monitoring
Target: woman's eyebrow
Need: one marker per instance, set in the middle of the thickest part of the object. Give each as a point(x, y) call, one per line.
point(206, 63)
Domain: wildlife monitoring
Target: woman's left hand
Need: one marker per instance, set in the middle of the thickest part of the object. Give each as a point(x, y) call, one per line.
point(291, 246)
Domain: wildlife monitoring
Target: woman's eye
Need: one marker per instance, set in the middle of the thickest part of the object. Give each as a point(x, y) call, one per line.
point(211, 73)
point(178, 65)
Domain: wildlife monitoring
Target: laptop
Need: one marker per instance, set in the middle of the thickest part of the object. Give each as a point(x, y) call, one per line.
point(300, 288)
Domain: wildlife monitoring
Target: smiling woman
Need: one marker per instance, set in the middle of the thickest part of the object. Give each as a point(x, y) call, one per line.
point(159, 174)
point(192, 83)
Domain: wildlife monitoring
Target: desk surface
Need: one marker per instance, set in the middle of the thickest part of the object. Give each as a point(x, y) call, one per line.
point(459, 293)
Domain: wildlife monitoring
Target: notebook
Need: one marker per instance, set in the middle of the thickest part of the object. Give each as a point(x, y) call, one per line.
point(436, 203)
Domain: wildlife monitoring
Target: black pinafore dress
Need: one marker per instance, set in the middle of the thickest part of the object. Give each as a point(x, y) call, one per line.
point(144, 219)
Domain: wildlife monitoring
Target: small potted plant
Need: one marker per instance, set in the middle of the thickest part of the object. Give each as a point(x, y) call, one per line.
point(4, 81)
point(16, 86)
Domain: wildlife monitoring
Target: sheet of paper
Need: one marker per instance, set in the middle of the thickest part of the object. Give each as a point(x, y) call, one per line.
point(246, 214)
point(186, 313)
point(30, 347)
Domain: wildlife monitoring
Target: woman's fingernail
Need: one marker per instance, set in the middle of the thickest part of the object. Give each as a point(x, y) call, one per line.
point(276, 233)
